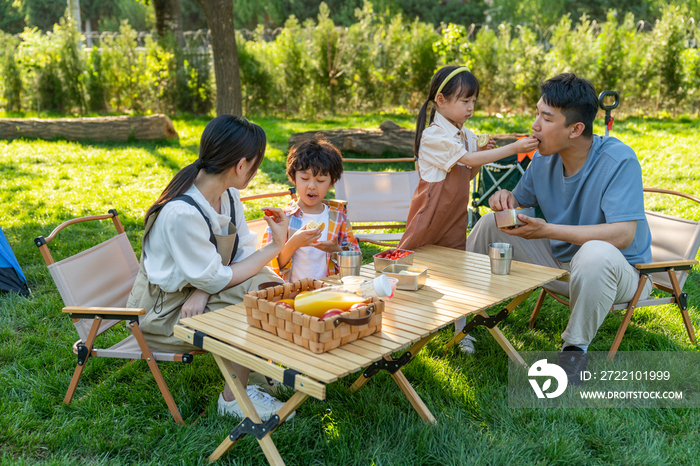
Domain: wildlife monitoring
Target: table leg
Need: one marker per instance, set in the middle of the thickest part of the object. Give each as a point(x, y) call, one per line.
point(505, 344)
point(498, 335)
point(413, 397)
point(239, 391)
point(409, 354)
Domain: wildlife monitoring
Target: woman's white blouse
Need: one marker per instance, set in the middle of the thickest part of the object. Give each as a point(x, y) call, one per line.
point(442, 145)
point(177, 251)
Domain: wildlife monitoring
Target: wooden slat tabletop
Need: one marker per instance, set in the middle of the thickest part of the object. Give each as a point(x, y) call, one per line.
point(459, 283)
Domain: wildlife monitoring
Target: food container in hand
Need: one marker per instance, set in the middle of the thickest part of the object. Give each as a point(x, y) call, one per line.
point(382, 262)
point(509, 218)
point(410, 277)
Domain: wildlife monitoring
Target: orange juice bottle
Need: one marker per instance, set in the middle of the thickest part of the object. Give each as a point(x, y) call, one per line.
point(317, 302)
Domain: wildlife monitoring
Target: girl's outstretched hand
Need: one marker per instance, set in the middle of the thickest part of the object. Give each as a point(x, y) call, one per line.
point(491, 145)
point(526, 144)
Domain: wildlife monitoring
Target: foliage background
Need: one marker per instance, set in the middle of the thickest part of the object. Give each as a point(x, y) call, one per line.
point(381, 61)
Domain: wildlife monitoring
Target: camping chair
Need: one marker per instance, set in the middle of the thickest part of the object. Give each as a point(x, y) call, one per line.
point(95, 285)
point(674, 246)
point(377, 197)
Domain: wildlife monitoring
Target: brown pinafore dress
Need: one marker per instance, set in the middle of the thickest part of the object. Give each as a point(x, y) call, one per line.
point(439, 211)
point(163, 308)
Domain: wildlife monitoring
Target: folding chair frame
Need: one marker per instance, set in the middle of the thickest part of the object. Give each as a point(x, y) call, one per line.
point(100, 314)
point(671, 267)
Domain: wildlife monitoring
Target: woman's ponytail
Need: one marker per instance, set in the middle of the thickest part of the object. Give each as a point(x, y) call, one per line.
point(177, 187)
point(226, 140)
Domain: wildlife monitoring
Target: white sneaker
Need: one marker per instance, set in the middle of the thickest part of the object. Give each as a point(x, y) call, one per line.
point(466, 344)
point(265, 405)
point(267, 384)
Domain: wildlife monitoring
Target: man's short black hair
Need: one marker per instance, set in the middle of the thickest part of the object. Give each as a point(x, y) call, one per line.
point(316, 154)
point(575, 97)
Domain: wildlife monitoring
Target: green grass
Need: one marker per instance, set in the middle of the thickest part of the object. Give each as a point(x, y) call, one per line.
point(118, 416)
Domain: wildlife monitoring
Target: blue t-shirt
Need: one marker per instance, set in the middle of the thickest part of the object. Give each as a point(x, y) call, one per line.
point(607, 189)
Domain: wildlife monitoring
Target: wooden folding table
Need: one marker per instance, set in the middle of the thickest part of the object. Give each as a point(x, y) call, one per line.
point(459, 283)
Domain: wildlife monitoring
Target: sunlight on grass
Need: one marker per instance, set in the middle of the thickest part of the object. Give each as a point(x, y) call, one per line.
point(118, 416)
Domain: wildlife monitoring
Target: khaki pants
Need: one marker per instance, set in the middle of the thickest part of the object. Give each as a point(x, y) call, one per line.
point(600, 276)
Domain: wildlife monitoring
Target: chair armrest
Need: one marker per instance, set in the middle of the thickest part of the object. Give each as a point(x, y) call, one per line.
point(653, 267)
point(111, 311)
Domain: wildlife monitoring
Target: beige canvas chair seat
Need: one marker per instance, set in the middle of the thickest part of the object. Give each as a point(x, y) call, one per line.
point(675, 243)
point(378, 198)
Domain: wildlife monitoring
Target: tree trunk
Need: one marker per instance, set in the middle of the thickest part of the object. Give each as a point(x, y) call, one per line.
point(122, 128)
point(169, 19)
point(219, 14)
point(74, 12)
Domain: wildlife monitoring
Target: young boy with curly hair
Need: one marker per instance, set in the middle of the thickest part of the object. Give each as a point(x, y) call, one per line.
point(315, 229)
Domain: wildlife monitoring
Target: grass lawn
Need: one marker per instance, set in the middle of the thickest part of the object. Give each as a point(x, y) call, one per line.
point(118, 416)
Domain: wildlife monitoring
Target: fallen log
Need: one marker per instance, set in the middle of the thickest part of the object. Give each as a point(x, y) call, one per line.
point(100, 129)
point(390, 137)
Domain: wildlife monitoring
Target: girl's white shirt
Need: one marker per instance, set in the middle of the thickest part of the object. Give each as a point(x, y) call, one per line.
point(441, 146)
point(177, 251)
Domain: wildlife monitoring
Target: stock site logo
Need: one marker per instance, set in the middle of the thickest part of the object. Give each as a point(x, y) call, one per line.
point(544, 369)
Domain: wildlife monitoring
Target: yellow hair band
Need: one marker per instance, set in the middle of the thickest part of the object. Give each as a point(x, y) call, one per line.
point(450, 76)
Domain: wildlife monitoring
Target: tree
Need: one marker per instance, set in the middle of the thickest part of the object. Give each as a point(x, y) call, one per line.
point(74, 13)
point(219, 14)
point(168, 18)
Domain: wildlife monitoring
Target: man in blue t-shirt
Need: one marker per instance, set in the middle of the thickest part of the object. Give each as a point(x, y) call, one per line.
point(590, 191)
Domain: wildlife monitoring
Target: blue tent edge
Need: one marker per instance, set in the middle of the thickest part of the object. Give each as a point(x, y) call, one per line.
point(9, 256)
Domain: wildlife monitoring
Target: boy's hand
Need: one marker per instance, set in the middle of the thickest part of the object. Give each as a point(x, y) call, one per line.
point(304, 237)
point(491, 145)
point(327, 246)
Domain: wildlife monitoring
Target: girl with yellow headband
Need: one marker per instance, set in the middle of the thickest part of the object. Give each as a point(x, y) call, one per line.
point(448, 158)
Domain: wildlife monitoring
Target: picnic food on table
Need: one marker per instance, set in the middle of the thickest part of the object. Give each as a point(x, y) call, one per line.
point(317, 302)
point(331, 313)
point(483, 139)
point(393, 255)
point(313, 224)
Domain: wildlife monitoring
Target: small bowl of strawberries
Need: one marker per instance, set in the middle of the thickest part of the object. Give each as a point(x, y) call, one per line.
point(392, 256)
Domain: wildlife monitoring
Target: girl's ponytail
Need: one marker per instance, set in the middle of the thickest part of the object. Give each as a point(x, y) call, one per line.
point(451, 82)
point(420, 126)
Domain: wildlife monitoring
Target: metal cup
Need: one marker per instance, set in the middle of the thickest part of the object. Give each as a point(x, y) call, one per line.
point(501, 255)
point(349, 262)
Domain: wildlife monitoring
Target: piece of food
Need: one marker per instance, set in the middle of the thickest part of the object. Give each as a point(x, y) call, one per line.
point(331, 313)
point(407, 272)
point(394, 254)
point(269, 213)
point(288, 302)
point(313, 224)
point(357, 306)
point(483, 139)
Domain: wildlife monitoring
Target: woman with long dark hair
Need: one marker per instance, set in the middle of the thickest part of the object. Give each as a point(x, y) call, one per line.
point(198, 254)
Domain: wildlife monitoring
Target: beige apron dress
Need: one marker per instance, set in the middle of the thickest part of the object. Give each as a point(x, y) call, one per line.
point(163, 308)
point(438, 213)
